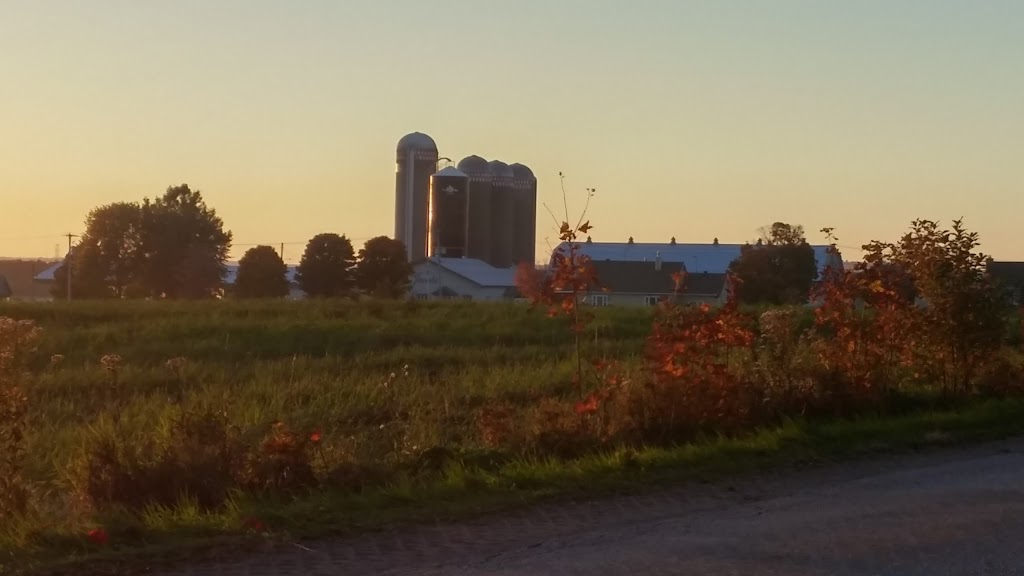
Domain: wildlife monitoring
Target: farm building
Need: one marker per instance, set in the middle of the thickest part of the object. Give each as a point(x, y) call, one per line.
point(640, 274)
point(20, 274)
point(1010, 275)
point(437, 278)
point(624, 283)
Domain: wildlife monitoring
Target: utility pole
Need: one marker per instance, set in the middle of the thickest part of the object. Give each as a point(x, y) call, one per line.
point(282, 251)
point(67, 264)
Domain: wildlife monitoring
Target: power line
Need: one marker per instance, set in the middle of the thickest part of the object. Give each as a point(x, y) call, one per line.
point(41, 237)
point(292, 243)
point(236, 244)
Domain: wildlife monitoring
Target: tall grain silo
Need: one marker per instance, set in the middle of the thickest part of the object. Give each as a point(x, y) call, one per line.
point(416, 162)
point(449, 213)
point(480, 181)
point(502, 214)
point(525, 215)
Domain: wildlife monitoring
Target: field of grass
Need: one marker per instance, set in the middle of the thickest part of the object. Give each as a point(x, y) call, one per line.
point(392, 393)
point(336, 366)
point(382, 382)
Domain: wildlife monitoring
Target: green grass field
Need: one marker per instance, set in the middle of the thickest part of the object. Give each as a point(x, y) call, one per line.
point(309, 364)
point(384, 383)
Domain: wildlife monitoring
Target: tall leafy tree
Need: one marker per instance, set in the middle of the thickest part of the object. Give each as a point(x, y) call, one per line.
point(780, 269)
point(261, 274)
point(964, 310)
point(184, 246)
point(383, 270)
point(327, 268)
point(107, 260)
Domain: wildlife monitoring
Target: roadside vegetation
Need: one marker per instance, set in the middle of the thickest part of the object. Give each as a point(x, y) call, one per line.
point(132, 427)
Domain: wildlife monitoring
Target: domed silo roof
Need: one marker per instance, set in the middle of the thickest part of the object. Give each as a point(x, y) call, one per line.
point(500, 169)
point(522, 171)
point(473, 165)
point(448, 172)
point(417, 141)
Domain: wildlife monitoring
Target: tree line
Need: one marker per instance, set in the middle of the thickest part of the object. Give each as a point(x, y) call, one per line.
point(781, 269)
point(176, 247)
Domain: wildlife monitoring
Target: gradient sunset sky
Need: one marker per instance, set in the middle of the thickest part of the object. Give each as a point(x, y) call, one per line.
point(692, 119)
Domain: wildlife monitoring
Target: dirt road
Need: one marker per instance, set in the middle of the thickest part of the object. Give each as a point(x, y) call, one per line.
point(954, 512)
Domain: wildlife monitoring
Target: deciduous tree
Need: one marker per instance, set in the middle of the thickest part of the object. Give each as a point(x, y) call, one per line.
point(962, 312)
point(184, 246)
point(327, 268)
point(261, 274)
point(570, 277)
point(779, 270)
point(383, 270)
point(107, 261)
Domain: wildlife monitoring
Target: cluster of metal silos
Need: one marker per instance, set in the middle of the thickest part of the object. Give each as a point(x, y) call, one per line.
point(502, 211)
point(483, 210)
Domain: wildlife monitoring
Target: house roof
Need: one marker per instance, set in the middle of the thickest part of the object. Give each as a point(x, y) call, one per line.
point(478, 271)
point(643, 278)
point(1008, 272)
point(698, 258)
point(48, 274)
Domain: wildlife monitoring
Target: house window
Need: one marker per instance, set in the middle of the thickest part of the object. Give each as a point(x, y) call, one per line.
point(652, 300)
point(599, 299)
point(421, 296)
point(467, 297)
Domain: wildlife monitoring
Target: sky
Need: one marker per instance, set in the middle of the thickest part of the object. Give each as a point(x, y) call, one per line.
point(697, 120)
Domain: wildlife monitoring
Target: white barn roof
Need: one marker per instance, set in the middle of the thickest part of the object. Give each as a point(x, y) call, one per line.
point(710, 258)
point(48, 274)
point(478, 271)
